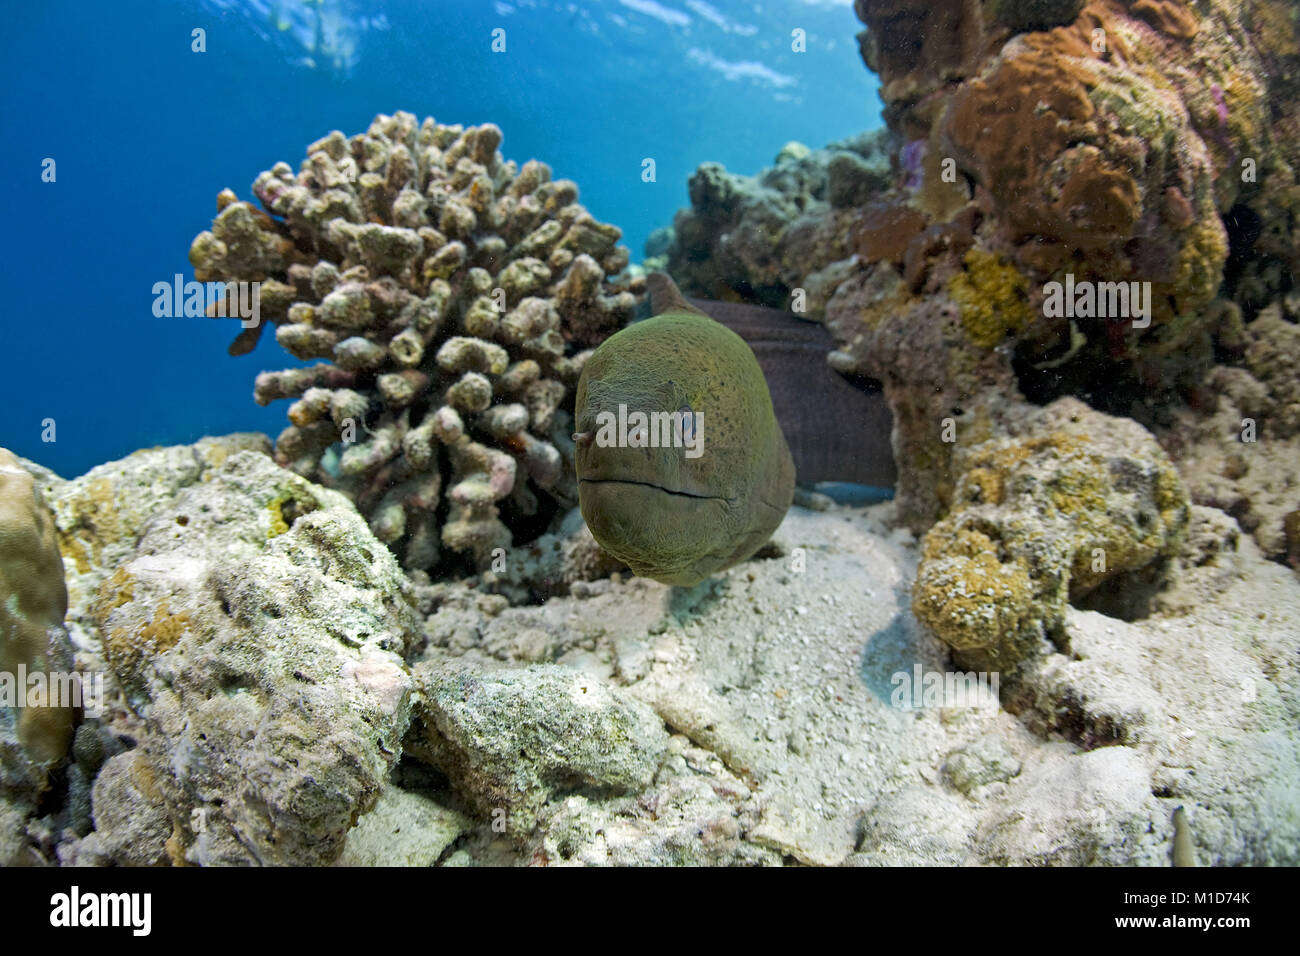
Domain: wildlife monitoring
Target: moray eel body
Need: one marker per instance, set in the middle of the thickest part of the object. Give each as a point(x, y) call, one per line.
point(670, 516)
point(838, 430)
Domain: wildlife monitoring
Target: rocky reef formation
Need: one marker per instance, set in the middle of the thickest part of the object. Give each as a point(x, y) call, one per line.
point(1097, 144)
point(250, 632)
point(279, 692)
point(451, 295)
point(1087, 202)
point(1239, 448)
point(753, 238)
point(514, 739)
point(271, 678)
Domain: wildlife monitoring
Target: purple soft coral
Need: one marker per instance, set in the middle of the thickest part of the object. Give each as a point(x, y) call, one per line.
point(912, 159)
point(1220, 105)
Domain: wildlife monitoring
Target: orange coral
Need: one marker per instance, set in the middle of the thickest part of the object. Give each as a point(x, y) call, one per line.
point(1025, 127)
point(1168, 16)
point(886, 230)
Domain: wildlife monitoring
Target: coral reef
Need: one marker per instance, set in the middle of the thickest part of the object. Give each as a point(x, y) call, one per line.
point(943, 390)
point(281, 692)
point(1239, 451)
point(294, 698)
point(1031, 143)
point(1094, 150)
point(752, 238)
point(35, 725)
point(992, 297)
point(450, 294)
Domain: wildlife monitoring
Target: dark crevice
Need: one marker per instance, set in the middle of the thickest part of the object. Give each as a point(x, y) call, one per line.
point(1129, 596)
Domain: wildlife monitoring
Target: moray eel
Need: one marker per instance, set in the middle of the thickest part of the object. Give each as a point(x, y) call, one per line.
point(677, 517)
point(838, 429)
point(679, 513)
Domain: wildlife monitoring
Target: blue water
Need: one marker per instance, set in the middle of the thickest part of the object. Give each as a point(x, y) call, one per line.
point(144, 133)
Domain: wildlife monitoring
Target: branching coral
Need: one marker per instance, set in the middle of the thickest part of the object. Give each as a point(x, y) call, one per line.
point(451, 294)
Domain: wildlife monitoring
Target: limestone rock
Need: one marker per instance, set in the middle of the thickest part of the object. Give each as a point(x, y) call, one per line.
point(258, 628)
point(512, 740)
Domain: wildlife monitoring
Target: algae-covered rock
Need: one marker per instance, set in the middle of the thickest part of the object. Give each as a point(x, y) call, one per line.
point(258, 628)
point(1271, 357)
point(513, 740)
point(1072, 501)
point(132, 824)
point(101, 514)
point(1238, 450)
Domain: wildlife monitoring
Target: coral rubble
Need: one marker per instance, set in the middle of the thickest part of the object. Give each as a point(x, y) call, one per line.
point(1239, 450)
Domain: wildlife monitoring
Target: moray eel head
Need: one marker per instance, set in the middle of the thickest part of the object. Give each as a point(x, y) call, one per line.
point(678, 503)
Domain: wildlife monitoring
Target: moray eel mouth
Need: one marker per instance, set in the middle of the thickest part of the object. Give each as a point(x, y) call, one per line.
point(651, 485)
point(659, 532)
